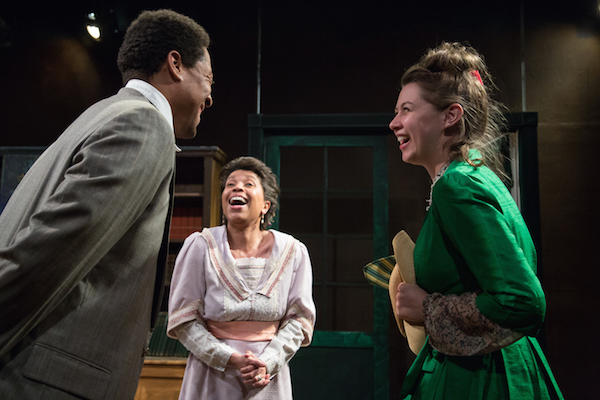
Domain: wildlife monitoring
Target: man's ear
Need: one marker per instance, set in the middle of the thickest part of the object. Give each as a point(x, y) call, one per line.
point(175, 66)
point(453, 114)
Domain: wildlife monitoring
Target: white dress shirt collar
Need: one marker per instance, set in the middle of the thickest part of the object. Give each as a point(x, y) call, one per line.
point(155, 97)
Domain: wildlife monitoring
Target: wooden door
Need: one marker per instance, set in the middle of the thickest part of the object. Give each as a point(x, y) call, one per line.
point(334, 199)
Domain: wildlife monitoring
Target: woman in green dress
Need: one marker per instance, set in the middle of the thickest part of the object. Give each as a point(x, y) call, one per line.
point(477, 292)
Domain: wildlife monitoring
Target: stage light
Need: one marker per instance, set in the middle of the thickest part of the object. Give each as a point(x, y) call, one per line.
point(94, 32)
point(105, 23)
point(92, 26)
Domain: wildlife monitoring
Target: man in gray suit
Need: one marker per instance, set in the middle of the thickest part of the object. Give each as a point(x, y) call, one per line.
point(83, 238)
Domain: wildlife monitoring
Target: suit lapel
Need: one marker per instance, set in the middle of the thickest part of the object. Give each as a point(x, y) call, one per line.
point(161, 266)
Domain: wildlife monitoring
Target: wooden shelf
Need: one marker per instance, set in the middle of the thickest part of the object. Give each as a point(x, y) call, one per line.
point(189, 190)
point(161, 378)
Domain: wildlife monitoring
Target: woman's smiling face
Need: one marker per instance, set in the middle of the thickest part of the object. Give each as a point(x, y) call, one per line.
point(419, 128)
point(243, 198)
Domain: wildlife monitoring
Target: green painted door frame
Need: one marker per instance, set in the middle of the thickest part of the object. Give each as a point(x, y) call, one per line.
point(268, 135)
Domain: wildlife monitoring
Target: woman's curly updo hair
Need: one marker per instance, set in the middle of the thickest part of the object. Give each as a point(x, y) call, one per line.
point(456, 73)
point(268, 181)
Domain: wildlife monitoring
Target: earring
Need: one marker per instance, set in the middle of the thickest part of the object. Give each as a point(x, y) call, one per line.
point(222, 219)
point(262, 219)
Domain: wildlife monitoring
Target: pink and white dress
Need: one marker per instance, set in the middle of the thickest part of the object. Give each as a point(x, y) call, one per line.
point(210, 288)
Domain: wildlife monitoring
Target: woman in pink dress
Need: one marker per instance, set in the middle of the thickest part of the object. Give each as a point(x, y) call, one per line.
point(241, 295)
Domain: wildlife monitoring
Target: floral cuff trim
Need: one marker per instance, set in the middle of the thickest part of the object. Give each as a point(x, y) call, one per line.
point(456, 326)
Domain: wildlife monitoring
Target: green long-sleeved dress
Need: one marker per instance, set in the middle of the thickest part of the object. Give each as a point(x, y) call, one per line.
point(474, 239)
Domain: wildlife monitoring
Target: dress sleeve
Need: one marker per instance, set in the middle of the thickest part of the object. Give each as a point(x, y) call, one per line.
point(474, 220)
point(456, 327)
point(113, 177)
point(200, 342)
point(296, 328)
point(186, 306)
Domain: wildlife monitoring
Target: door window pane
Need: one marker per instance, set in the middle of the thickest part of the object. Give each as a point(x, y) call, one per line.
point(350, 168)
point(301, 168)
point(327, 203)
point(300, 214)
point(350, 214)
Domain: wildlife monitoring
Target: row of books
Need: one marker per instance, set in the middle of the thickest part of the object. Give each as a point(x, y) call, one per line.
point(163, 346)
point(185, 221)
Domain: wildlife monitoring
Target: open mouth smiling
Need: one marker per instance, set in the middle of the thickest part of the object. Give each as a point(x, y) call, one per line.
point(238, 201)
point(403, 140)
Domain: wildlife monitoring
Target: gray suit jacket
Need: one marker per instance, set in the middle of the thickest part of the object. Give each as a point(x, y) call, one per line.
point(79, 244)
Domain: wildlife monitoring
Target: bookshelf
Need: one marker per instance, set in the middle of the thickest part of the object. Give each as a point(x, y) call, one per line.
point(197, 204)
point(197, 190)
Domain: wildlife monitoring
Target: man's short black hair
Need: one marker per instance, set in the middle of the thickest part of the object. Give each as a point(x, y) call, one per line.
point(152, 36)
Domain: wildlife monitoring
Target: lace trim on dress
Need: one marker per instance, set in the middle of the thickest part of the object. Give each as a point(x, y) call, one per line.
point(440, 173)
point(251, 270)
point(456, 326)
point(229, 275)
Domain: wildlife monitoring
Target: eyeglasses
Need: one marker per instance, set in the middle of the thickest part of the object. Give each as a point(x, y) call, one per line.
point(209, 100)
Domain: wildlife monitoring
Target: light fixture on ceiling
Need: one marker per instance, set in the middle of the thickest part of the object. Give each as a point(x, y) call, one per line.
point(104, 22)
point(92, 26)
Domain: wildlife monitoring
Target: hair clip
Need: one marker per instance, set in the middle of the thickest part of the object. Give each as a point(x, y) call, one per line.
point(475, 73)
